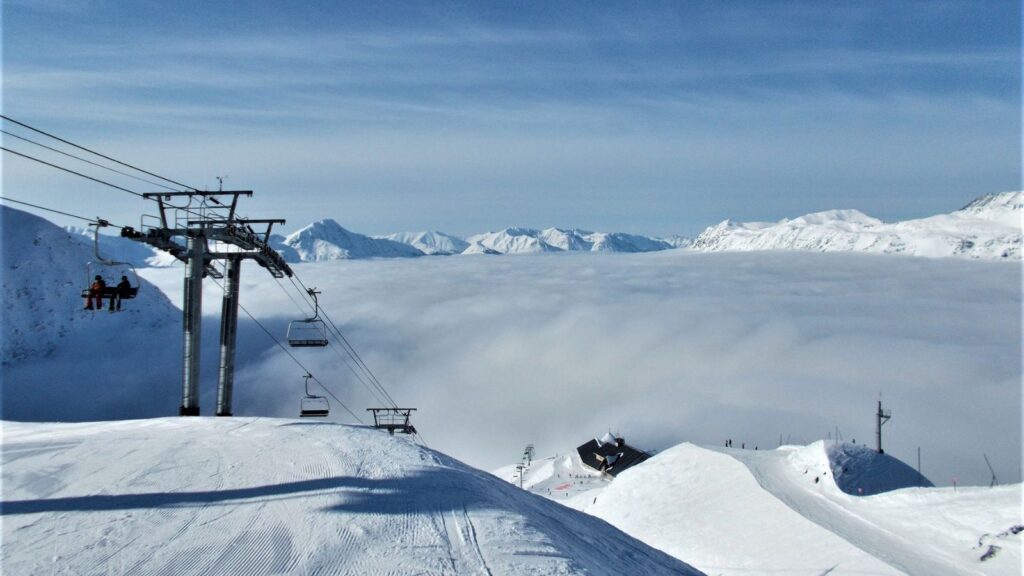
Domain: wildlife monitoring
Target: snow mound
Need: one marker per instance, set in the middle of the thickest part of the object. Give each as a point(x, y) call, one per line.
point(706, 506)
point(987, 228)
point(861, 471)
point(264, 496)
point(734, 511)
point(327, 240)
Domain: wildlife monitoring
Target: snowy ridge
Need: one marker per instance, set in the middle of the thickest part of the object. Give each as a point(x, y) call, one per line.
point(45, 270)
point(987, 228)
point(528, 241)
point(730, 511)
point(263, 496)
point(430, 243)
point(327, 240)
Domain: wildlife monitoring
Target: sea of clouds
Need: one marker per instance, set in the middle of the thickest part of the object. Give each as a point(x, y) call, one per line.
point(553, 349)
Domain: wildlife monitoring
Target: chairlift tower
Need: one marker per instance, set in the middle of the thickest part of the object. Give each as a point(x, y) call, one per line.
point(211, 231)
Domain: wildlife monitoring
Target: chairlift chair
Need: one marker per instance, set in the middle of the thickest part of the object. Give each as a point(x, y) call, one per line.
point(109, 269)
point(310, 332)
point(311, 405)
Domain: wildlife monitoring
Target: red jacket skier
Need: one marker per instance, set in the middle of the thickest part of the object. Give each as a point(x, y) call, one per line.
point(96, 291)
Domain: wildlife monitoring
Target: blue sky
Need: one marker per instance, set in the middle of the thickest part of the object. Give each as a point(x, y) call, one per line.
point(653, 118)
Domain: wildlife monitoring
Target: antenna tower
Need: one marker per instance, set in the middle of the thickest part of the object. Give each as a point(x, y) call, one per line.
point(881, 417)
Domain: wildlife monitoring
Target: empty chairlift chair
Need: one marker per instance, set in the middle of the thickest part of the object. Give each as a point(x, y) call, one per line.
point(311, 405)
point(311, 332)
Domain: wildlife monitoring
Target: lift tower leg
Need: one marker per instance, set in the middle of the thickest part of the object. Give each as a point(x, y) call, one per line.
point(193, 312)
point(228, 331)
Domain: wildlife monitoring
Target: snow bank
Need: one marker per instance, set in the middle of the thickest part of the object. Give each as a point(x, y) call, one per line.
point(861, 471)
point(706, 506)
point(261, 496)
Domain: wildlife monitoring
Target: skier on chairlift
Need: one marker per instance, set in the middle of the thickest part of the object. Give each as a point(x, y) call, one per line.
point(96, 291)
point(122, 290)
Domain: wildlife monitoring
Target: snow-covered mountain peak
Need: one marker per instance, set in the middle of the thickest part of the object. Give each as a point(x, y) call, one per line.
point(517, 240)
point(431, 242)
point(834, 217)
point(1004, 208)
point(988, 228)
point(327, 240)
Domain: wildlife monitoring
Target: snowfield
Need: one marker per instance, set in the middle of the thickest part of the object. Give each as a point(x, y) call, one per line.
point(262, 496)
point(733, 511)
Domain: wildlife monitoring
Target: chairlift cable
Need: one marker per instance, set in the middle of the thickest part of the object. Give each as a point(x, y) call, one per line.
point(87, 177)
point(350, 350)
point(52, 165)
point(69, 143)
point(355, 354)
point(369, 387)
point(92, 220)
point(69, 155)
point(292, 356)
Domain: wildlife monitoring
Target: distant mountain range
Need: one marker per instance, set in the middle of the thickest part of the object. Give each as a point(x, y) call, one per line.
point(987, 228)
point(328, 240)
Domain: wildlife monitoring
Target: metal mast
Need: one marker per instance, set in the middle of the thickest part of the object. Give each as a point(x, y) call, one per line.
point(881, 417)
point(211, 231)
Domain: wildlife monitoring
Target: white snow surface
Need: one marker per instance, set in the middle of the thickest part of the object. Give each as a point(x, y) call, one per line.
point(734, 511)
point(271, 496)
point(327, 240)
point(987, 228)
point(430, 243)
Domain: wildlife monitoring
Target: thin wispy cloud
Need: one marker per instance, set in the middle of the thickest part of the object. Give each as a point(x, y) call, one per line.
point(559, 115)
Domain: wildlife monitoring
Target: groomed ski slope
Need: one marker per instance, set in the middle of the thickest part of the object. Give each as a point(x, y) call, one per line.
point(271, 496)
point(731, 511)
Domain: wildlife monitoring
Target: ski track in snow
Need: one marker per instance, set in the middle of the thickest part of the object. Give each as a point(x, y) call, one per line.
point(209, 496)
